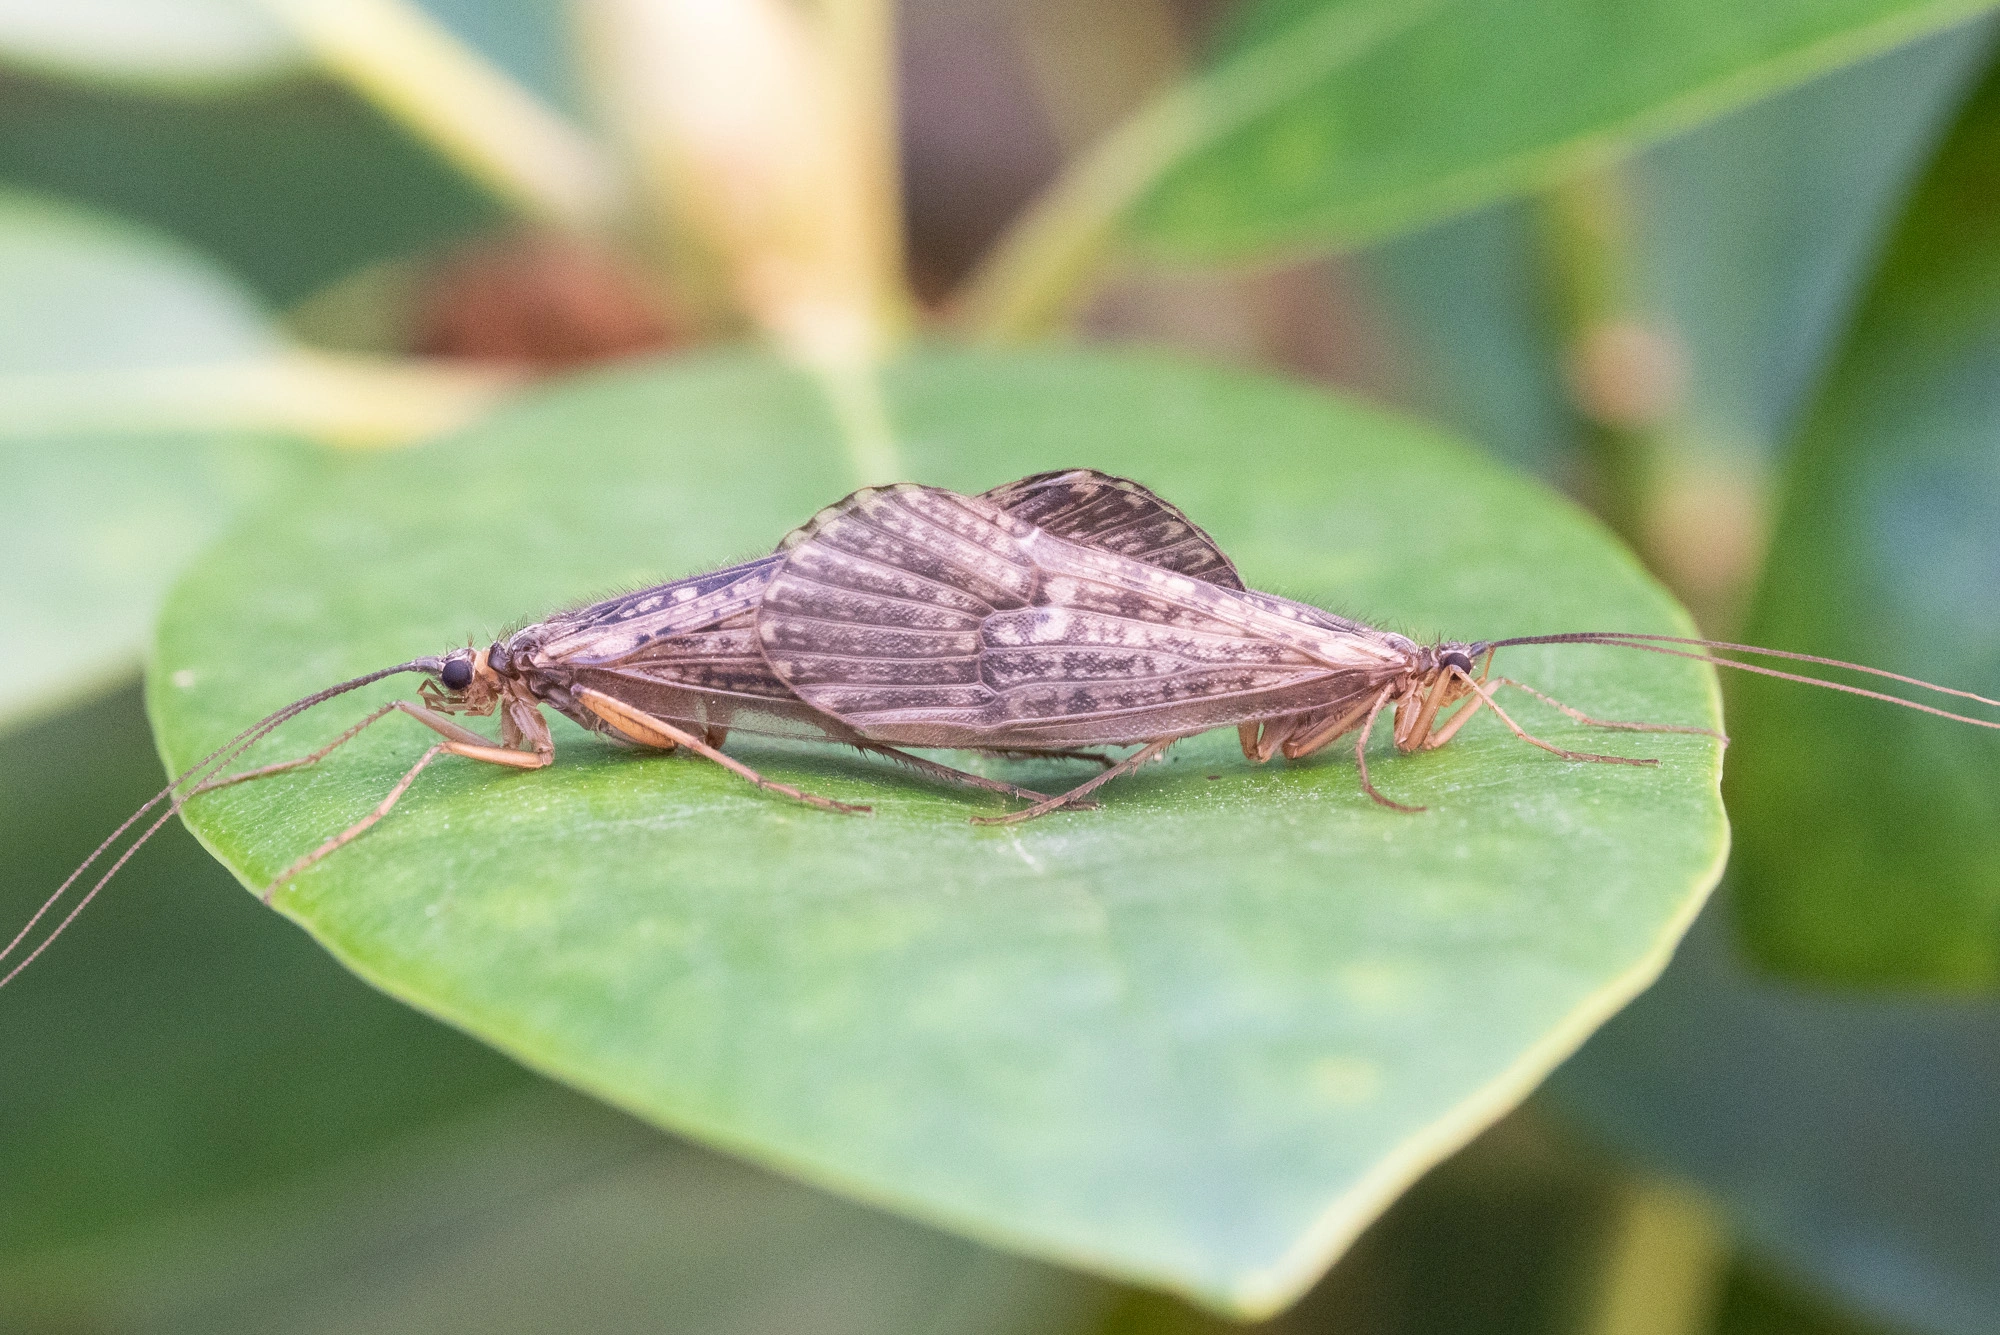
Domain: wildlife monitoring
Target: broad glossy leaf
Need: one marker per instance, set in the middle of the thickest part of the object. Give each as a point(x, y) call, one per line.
point(1196, 1038)
point(1869, 849)
point(1477, 100)
point(1850, 1137)
point(98, 525)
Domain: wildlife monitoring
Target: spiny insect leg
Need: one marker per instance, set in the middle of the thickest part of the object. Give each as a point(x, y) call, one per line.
point(1486, 693)
point(654, 731)
point(355, 830)
point(1582, 717)
point(463, 741)
point(1145, 753)
point(947, 773)
point(1030, 753)
point(1361, 751)
point(1466, 709)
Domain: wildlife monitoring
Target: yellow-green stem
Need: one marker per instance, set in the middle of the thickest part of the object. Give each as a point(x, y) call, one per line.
point(1040, 271)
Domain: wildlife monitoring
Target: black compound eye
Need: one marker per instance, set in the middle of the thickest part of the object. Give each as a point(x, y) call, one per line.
point(1455, 658)
point(456, 674)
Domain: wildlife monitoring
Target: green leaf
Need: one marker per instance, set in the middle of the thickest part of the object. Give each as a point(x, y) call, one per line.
point(1850, 1138)
point(292, 183)
point(1867, 849)
point(98, 526)
point(1754, 284)
point(1197, 1038)
point(1480, 99)
point(194, 43)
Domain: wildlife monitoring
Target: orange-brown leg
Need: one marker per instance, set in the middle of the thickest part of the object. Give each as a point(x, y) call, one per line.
point(643, 727)
point(1361, 752)
point(462, 741)
point(1582, 717)
point(1297, 748)
point(1150, 751)
point(1486, 693)
point(946, 772)
point(359, 827)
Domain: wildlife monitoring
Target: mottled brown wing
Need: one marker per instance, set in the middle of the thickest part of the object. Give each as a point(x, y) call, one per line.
point(931, 619)
point(688, 650)
point(1116, 514)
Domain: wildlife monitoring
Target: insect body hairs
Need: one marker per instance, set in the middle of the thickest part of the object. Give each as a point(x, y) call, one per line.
point(1029, 640)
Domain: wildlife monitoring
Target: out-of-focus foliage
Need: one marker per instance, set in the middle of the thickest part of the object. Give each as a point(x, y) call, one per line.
point(100, 523)
point(1462, 101)
point(1866, 851)
point(1747, 240)
point(1850, 1137)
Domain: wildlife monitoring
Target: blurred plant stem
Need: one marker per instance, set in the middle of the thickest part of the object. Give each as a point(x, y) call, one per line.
point(339, 400)
point(417, 71)
point(1694, 516)
point(1623, 372)
point(1041, 269)
point(1665, 1257)
point(1094, 62)
point(766, 133)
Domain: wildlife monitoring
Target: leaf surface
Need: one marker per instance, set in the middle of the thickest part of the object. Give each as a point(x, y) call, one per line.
point(1197, 1038)
point(1476, 100)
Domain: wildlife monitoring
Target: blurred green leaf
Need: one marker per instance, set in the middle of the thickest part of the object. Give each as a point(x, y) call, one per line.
point(1851, 1139)
point(291, 184)
point(1759, 231)
point(1197, 1038)
point(1750, 237)
point(185, 43)
point(1867, 850)
point(541, 1213)
point(1479, 100)
point(99, 525)
point(84, 292)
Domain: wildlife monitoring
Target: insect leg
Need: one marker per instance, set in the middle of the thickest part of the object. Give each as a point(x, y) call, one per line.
point(1582, 717)
point(1486, 693)
point(946, 772)
point(654, 731)
point(1145, 753)
point(355, 830)
point(1012, 753)
point(468, 743)
point(1361, 750)
point(1297, 747)
point(1451, 726)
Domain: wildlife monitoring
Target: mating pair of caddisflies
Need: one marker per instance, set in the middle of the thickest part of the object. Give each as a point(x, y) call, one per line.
point(1064, 612)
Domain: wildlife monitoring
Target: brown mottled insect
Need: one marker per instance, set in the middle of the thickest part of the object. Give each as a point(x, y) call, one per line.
point(924, 618)
point(675, 665)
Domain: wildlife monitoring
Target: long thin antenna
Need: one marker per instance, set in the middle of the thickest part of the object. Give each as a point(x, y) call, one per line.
point(1619, 640)
point(215, 759)
point(1603, 636)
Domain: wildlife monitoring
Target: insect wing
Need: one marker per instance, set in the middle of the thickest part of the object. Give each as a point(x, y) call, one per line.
point(931, 619)
point(689, 651)
point(1116, 514)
